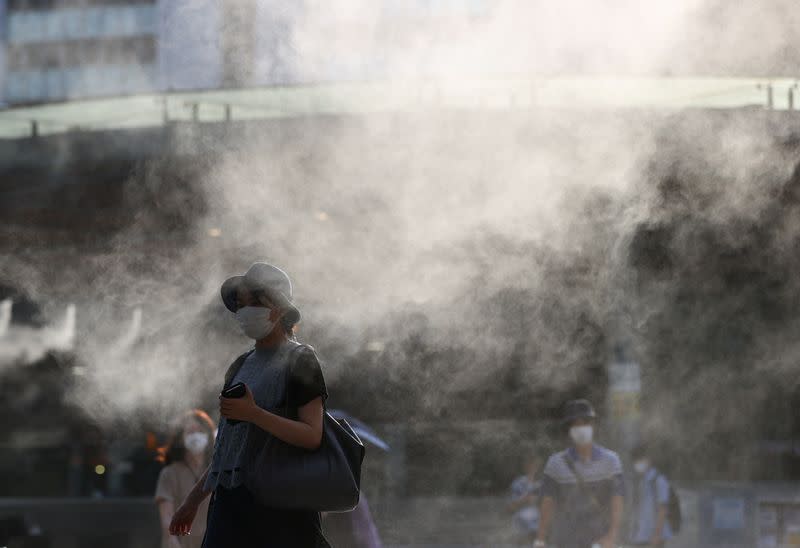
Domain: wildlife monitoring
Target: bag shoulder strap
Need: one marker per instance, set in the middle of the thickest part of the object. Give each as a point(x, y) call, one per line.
point(571, 465)
point(235, 367)
point(294, 355)
point(581, 482)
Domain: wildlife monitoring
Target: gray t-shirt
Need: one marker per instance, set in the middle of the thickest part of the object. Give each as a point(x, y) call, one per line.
point(264, 372)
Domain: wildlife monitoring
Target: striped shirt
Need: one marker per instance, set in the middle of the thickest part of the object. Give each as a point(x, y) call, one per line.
point(583, 514)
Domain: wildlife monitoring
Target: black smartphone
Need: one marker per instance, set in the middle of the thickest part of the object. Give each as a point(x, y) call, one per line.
point(236, 391)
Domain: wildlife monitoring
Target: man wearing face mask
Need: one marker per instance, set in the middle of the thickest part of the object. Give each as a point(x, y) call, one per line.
point(651, 497)
point(582, 488)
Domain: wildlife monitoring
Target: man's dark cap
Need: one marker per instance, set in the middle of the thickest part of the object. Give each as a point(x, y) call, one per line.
point(640, 451)
point(578, 409)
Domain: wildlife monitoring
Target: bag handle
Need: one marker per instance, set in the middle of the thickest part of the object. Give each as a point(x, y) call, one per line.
point(293, 355)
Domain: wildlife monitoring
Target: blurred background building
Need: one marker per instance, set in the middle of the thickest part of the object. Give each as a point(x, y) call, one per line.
point(56, 50)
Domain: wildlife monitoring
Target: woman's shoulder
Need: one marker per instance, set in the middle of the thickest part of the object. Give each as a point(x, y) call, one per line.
point(306, 362)
point(168, 470)
point(166, 483)
point(306, 353)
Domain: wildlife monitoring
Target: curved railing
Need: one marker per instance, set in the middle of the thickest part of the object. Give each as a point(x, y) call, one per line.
point(157, 109)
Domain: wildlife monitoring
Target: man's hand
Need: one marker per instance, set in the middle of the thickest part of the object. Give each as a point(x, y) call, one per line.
point(182, 519)
point(241, 409)
point(607, 542)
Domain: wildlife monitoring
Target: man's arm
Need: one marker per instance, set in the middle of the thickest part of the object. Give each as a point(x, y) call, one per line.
point(662, 502)
point(616, 518)
point(546, 512)
point(617, 502)
point(661, 519)
point(610, 538)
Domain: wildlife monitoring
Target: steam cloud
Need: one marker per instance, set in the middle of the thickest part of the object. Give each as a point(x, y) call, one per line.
point(457, 249)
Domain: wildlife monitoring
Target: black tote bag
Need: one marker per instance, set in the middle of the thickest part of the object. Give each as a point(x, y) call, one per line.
point(327, 479)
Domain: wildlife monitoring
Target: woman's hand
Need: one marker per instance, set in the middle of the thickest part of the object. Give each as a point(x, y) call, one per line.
point(182, 519)
point(241, 409)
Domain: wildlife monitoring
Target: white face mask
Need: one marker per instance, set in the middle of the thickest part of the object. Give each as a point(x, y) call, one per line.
point(581, 435)
point(196, 442)
point(254, 321)
point(641, 466)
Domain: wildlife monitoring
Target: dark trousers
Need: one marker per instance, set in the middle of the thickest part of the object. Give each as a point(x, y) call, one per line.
point(235, 519)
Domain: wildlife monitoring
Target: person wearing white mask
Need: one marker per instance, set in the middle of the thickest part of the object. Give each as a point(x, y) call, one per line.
point(582, 488)
point(186, 457)
point(651, 499)
point(277, 374)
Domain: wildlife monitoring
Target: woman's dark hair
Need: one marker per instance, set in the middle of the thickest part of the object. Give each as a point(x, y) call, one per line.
point(175, 451)
point(289, 321)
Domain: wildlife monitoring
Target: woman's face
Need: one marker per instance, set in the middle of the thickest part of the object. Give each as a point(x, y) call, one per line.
point(532, 465)
point(248, 298)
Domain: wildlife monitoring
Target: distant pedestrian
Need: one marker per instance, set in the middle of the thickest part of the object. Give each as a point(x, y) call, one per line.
point(651, 498)
point(186, 457)
point(524, 502)
point(582, 487)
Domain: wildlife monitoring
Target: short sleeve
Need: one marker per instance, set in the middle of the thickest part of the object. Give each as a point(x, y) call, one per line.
point(618, 483)
point(617, 479)
point(517, 489)
point(166, 485)
point(549, 485)
point(662, 490)
point(305, 380)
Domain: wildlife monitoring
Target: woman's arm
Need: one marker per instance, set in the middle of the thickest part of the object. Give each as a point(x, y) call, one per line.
point(181, 521)
point(165, 511)
point(198, 493)
point(306, 432)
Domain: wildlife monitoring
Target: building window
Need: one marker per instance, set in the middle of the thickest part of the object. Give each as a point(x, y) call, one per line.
point(81, 23)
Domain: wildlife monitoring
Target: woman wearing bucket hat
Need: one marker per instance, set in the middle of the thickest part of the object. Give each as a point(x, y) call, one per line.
point(261, 299)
